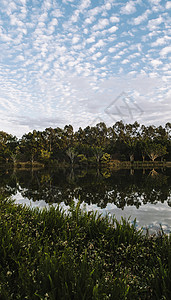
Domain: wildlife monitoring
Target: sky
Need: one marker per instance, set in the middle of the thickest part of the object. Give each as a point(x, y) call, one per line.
point(82, 62)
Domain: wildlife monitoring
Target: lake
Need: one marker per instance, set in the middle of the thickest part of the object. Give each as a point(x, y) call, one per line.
point(141, 194)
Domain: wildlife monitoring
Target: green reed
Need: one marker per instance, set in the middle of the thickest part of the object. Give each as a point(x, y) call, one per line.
point(52, 254)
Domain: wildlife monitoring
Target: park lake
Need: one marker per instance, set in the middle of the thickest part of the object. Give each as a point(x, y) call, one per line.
point(144, 194)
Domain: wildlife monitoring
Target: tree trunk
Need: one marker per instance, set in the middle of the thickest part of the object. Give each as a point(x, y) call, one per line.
point(131, 157)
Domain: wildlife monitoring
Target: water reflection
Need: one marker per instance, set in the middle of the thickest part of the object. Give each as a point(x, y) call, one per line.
point(142, 194)
point(100, 187)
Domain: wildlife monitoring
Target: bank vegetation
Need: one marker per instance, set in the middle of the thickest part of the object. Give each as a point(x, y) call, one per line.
point(52, 254)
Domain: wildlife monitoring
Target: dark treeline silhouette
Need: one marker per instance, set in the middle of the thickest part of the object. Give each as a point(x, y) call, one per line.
point(96, 144)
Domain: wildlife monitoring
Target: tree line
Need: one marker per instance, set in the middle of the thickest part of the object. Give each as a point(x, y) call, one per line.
point(91, 145)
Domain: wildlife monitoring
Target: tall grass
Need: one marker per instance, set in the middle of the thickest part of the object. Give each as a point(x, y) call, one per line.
point(51, 254)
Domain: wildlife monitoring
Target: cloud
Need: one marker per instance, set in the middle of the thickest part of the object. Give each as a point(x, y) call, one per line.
point(154, 23)
point(113, 29)
point(140, 19)
point(75, 39)
point(125, 61)
point(90, 40)
point(112, 49)
point(102, 23)
point(99, 44)
point(108, 6)
point(58, 58)
point(168, 5)
point(114, 19)
point(161, 41)
point(155, 2)
point(37, 123)
point(67, 1)
point(165, 51)
point(156, 62)
point(90, 20)
point(129, 8)
point(96, 56)
point(84, 4)
point(23, 2)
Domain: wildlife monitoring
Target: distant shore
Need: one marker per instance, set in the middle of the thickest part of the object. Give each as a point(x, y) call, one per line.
point(113, 164)
point(140, 164)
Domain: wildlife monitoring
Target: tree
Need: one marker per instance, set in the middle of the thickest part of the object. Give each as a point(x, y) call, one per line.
point(48, 136)
point(102, 134)
point(8, 145)
point(142, 147)
point(15, 154)
point(31, 145)
point(98, 153)
point(71, 154)
point(154, 150)
point(68, 135)
point(131, 138)
point(148, 132)
point(168, 130)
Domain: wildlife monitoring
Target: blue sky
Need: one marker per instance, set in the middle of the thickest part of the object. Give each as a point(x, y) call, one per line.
point(82, 62)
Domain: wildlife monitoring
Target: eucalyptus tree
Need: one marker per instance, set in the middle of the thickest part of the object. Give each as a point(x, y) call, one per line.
point(102, 134)
point(112, 136)
point(72, 154)
point(149, 133)
point(155, 150)
point(80, 136)
point(91, 136)
point(8, 145)
point(68, 136)
point(48, 136)
point(98, 153)
point(118, 146)
point(31, 145)
point(147, 137)
point(15, 154)
point(119, 129)
point(131, 138)
point(54, 141)
point(168, 132)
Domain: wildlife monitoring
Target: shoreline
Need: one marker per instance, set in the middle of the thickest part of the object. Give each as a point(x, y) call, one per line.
point(115, 164)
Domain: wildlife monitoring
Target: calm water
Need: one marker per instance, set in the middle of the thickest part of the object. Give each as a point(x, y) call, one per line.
point(141, 194)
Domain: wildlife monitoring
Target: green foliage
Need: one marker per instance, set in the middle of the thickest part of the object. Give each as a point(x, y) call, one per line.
point(45, 155)
point(98, 153)
point(82, 158)
point(155, 150)
point(106, 158)
point(56, 144)
point(72, 154)
point(50, 254)
point(8, 146)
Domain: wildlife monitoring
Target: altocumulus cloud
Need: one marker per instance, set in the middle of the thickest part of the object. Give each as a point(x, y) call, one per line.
point(64, 62)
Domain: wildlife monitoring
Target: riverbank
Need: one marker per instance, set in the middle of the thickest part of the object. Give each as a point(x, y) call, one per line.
point(113, 164)
point(49, 254)
point(139, 164)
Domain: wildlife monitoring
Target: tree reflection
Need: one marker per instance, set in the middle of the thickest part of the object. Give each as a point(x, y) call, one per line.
point(98, 187)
